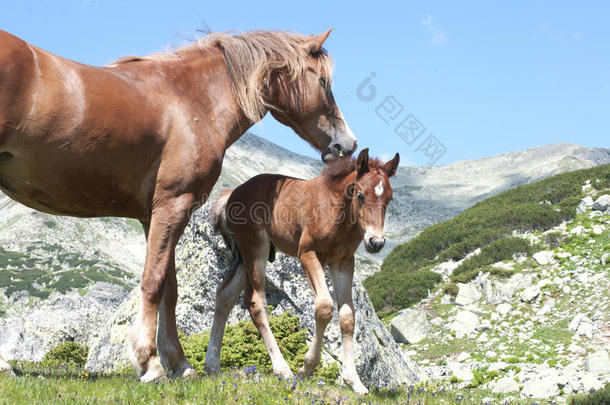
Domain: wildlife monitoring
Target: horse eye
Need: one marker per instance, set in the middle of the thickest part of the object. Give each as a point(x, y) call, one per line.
point(360, 197)
point(323, 81)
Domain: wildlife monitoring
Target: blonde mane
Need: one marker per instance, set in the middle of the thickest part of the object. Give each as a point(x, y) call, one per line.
point(251, 58)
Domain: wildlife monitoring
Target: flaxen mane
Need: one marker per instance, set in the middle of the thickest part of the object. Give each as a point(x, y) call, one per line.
point(251, 57)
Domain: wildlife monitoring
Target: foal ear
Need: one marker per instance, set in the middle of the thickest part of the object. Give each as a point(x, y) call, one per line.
point(315, 43)
point(362, 164)
point(391, 166)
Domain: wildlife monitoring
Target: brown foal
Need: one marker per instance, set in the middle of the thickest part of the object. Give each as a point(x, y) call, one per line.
point(145, 138)
point(321, 221)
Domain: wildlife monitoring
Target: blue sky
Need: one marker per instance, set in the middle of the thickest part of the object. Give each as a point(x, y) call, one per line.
point(482, 78)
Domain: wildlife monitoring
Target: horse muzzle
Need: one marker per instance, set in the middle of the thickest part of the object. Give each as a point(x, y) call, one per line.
point(373, 244)
point(338, 151)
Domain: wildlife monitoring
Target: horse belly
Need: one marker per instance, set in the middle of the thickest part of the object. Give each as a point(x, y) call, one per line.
point(285, 245)
point(64, 184)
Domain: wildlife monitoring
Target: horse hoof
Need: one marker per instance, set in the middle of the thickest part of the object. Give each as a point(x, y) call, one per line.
point(303, 373)
point(185, 373)
point(286, 374)
point(154, 372)
point(360, 389)
point(190, 373)
point(356, 385)
point(184, 369)
point(211, 370)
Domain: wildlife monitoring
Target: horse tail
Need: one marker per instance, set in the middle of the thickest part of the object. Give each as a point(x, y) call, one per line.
point(220, 222)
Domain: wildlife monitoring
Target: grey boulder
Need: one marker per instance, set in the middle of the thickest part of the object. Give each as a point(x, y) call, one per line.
point(409, 326)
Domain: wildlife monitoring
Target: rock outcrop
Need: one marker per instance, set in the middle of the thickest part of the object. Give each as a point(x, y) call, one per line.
point(35, 331)
point(409, 326)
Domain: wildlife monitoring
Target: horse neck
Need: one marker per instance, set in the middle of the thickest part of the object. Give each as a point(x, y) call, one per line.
point(200, 79)
point(340, 195)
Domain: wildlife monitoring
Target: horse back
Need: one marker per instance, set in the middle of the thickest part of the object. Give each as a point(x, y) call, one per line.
point(270, 204)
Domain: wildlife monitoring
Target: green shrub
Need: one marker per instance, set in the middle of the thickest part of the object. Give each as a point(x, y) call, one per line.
point(66, 353)
point(451, 288)
point(571, 202)
point(599, 397)
point(242, 347)
point(496, 251)
point(413, 288)
point(524, 208)
point(552, 239)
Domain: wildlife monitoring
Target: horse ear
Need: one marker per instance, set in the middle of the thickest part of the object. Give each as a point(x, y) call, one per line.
point(391, 166)
point(362, 164)
point(315, 43)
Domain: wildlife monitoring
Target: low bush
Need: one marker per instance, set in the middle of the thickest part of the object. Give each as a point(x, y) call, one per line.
point(451, 288)
point(68, 354)
point(598, 397)
point(552, 239)
point(501, 249)
point(243, 347)
point(413, 288)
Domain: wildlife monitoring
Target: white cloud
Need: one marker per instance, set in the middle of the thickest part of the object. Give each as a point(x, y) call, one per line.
point(439, 38)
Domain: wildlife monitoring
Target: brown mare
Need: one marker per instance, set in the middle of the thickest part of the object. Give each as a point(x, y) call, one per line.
point(321, 221)
point(145, 138)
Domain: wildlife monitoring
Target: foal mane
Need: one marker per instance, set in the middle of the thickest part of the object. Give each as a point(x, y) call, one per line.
point(336, 171)
point(251, 58)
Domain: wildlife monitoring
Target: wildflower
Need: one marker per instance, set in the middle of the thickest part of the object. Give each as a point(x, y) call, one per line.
point(320, 382)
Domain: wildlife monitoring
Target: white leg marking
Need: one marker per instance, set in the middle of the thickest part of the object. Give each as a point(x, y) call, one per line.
point(226, 297)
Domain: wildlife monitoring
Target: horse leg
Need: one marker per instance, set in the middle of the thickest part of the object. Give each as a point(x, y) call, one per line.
point(166, 226)
point(342, 275)
point(323, 309)
point(227, 295)
point(170, 350)
point(257, 305)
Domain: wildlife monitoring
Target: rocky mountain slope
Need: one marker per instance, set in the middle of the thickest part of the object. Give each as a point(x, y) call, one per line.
point(542, 333)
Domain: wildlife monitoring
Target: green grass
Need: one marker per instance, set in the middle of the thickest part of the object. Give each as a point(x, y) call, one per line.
point(33, 385)
point(445, 348)
point(556, 334)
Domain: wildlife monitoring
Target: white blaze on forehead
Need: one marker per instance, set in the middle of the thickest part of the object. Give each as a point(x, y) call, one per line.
point(379, 189)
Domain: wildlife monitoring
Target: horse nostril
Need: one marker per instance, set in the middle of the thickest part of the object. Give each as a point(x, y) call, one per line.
point(382, 243)
point(371, 241)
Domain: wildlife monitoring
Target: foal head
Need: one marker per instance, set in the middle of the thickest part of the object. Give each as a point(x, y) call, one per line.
point(302, 99)
point(371, 194)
